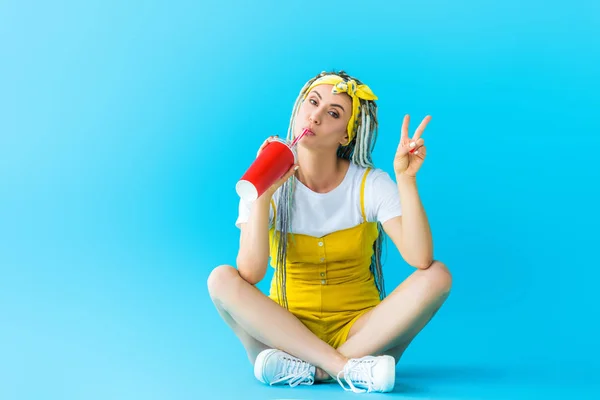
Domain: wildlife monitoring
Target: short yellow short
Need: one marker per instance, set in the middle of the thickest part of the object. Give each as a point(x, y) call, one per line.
point(334, 330)
point(330, 311)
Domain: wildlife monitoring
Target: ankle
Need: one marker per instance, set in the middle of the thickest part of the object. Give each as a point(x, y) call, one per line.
point(321, 375)
point(335, 367)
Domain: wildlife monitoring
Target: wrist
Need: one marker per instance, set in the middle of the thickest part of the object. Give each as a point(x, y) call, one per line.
point(265, 197)
point(402, 178)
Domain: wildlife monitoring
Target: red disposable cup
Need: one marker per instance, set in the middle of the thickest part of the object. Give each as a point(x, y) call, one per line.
point(271, 164)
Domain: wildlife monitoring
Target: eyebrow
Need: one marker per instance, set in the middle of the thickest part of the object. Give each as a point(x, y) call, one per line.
point(333, 105)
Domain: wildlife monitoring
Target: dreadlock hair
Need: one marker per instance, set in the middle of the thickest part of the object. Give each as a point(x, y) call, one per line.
point(357, 151)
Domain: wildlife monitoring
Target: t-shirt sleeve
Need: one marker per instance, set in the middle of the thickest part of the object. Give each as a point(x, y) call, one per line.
point(244, 213)
point(382, 199)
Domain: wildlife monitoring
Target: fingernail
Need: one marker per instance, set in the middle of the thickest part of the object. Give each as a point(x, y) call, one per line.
point(412, 144)
point(417, 152)
point(296, 167)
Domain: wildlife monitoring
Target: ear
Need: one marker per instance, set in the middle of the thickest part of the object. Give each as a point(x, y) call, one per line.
point(345, 141)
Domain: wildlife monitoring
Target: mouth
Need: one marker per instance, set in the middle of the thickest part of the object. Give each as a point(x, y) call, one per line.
point(309, 132)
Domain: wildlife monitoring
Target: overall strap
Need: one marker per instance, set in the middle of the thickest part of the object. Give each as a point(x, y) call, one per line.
point(362, 194)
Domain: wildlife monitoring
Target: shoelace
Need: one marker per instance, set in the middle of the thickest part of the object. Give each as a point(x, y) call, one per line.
point(358, 371)
point(294, 371)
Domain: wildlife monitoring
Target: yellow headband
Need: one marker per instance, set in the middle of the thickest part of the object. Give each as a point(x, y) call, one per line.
point(350, 87)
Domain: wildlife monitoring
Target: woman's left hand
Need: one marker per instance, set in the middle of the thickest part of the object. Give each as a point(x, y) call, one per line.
point(411, 152)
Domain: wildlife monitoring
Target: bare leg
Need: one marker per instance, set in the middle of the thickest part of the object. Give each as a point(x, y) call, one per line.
point(399, 350)
point(392, 325)
point(257, 317)
point(253, 347)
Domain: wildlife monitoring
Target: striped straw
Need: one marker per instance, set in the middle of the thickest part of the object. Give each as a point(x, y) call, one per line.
point(299, 137)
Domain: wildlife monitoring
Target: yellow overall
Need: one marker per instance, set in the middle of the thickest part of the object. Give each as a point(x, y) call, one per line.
point(328, 281)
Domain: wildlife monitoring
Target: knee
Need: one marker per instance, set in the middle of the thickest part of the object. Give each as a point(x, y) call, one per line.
point(221, 278)
point(440, 277)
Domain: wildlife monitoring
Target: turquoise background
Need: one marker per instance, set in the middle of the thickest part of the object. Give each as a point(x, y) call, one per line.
point(124, 127)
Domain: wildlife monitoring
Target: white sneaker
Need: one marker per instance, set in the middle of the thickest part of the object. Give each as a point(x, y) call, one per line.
point(274, 367)
point(369, 374)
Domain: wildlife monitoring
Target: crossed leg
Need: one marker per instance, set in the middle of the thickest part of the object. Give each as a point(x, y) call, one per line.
point(388, 328)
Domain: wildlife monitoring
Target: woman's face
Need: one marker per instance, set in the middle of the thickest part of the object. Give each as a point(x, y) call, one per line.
point(326, 115)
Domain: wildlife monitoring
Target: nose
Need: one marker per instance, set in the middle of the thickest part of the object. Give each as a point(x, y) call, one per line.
point(314, 118)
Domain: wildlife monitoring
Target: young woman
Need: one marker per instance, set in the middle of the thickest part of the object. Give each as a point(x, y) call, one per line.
point(327, 315)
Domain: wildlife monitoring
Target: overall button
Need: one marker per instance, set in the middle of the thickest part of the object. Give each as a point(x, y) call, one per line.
point(322, 273)
point(323, 282)
point(322, 260)
point(320, 243)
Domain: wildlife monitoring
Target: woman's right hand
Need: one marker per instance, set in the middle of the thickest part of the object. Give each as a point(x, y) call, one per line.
point(271, 190)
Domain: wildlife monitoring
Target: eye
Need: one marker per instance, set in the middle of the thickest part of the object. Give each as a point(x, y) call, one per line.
point(313, 102)
point(334, 114)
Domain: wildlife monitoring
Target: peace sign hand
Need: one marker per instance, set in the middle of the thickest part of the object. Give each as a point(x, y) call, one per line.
point(411, 152)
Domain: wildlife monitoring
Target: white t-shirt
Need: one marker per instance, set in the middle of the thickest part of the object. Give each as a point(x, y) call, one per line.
point(318, 214)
